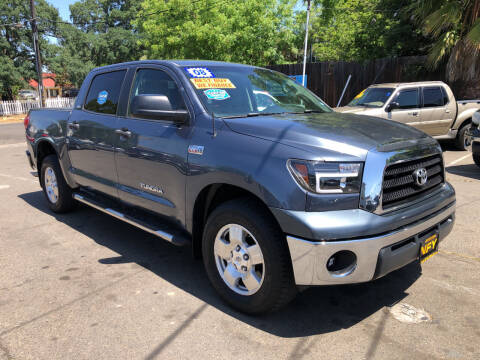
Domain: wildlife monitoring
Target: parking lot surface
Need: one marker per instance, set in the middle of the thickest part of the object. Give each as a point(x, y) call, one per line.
point(87, 286)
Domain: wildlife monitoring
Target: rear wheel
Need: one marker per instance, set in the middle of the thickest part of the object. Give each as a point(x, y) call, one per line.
point(246, 258)
point(58, 193)
point(463, 141)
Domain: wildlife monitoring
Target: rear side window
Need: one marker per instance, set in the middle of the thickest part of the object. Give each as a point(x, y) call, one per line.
point(408, 99)
point(432, 97)
point(104, 92)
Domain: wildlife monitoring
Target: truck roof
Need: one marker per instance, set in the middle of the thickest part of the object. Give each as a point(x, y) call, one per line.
point(418, 83)
point(178, 63)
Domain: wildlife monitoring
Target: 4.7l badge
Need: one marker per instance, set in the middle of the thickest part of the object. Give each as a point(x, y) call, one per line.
point(195, 149)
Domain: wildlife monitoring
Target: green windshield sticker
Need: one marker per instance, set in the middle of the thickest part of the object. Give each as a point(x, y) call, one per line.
point(216, 94)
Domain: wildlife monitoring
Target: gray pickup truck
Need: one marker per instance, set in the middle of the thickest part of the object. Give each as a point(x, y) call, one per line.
point(273, 189)
point(429, 106)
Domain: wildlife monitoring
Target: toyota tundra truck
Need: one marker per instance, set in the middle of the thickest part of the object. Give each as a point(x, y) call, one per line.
point(429, 106)
point(265, 182)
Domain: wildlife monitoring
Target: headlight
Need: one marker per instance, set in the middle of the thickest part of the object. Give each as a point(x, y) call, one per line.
point(327, 177)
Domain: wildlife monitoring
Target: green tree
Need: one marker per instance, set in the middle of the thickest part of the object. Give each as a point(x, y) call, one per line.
point(454, 27)
point(247, 31)
point(17, 59)
point(353, 30)
point(101, 34)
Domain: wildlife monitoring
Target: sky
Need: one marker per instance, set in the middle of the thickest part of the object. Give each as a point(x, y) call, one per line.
point(62, 6)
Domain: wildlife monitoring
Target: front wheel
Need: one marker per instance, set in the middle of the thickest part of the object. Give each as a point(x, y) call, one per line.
point(246, 257)
point(463, 140)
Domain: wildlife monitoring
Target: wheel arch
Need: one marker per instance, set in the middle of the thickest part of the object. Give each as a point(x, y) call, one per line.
point(42, 149)
point(210, 197)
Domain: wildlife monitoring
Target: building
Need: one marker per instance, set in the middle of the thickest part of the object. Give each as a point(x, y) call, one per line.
point(49, 87)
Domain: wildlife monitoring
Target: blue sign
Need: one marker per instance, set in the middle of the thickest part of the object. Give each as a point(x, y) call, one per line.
point(298, 78)
point(199, 72)
point(216, 94)
point(102, 97)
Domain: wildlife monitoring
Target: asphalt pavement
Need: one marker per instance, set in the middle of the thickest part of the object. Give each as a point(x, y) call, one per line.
point(87, 286)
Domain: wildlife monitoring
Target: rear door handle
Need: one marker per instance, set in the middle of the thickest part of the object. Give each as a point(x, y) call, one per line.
point(448, 111)
point(74, 125)
point(124, 132)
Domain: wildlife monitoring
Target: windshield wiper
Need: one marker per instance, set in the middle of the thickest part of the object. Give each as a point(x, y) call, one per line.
point(251, 115)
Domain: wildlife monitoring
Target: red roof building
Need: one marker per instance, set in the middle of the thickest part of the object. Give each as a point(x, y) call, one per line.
point(48, 81)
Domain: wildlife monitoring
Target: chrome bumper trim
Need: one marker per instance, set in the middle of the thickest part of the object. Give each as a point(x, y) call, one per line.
point(309, 258)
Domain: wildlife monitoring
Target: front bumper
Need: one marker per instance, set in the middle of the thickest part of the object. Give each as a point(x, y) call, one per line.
point(375, 256)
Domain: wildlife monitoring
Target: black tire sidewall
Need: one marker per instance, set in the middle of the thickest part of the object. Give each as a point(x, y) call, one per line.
point(65, 201)
point(460, 141)
point(273, 246)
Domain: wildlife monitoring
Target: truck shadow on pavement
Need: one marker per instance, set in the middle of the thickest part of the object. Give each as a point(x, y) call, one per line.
point(315, 311)
point(470, 171)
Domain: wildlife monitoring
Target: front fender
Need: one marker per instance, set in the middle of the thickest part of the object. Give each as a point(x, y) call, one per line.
point(253, 164)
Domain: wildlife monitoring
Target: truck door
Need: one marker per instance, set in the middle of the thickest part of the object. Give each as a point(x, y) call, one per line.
point(151, 154)
point(91, 134)
point(408, 111)
point(436, 117)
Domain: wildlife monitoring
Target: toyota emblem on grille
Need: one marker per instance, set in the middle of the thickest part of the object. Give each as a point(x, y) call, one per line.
point(420, 176)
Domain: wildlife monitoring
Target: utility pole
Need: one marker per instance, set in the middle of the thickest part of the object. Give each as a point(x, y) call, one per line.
point(38, 59)
point(306, 43)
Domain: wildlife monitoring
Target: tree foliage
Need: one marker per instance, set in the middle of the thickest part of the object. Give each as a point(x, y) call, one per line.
point(102, 34)
point(17, 62)
point(454, 27)
point(363, 29)
point(248, 31)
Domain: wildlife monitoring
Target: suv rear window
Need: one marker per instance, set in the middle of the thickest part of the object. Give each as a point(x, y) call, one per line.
point(432, 97)
point(104, 91)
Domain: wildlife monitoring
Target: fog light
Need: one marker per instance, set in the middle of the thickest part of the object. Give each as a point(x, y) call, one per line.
point(342, 263)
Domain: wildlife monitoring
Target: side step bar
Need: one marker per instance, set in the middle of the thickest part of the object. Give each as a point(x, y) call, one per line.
point(176, 240)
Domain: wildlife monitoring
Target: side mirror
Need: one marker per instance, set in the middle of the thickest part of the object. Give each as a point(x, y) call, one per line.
point(392, 106)
point(476, 118)
point(157, 107)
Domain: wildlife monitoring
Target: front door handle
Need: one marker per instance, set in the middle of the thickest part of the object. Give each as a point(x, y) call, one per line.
point(415, 113)
point(74, 125)
point(124, 132)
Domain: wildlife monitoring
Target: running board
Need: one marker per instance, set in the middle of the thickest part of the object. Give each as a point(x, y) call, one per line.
point(174, 239)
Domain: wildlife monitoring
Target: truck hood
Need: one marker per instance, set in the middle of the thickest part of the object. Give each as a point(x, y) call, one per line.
point(329, 134)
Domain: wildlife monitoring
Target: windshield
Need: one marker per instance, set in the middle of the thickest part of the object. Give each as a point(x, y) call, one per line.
point(372, 97)
point(243, 91)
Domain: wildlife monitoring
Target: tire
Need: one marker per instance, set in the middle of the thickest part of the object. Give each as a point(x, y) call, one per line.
point(476, 159)
point(57, 192)
point(270, 284)
point(462, 141)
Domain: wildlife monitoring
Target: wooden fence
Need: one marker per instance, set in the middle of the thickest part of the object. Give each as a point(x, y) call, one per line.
point(23, 106)
point(327, 79)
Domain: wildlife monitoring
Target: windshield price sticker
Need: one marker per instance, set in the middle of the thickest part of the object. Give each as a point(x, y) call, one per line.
point(216, 94)
point(212, 83)
point(360, 94)
point(199, 72)
point(102, 97)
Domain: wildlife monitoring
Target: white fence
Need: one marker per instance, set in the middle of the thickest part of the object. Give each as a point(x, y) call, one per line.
point(22, 106)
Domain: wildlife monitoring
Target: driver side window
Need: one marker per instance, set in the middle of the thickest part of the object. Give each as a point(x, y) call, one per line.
point(156, 82)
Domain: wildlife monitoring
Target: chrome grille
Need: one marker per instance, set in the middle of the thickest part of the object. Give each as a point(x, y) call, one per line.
point(399, 185)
